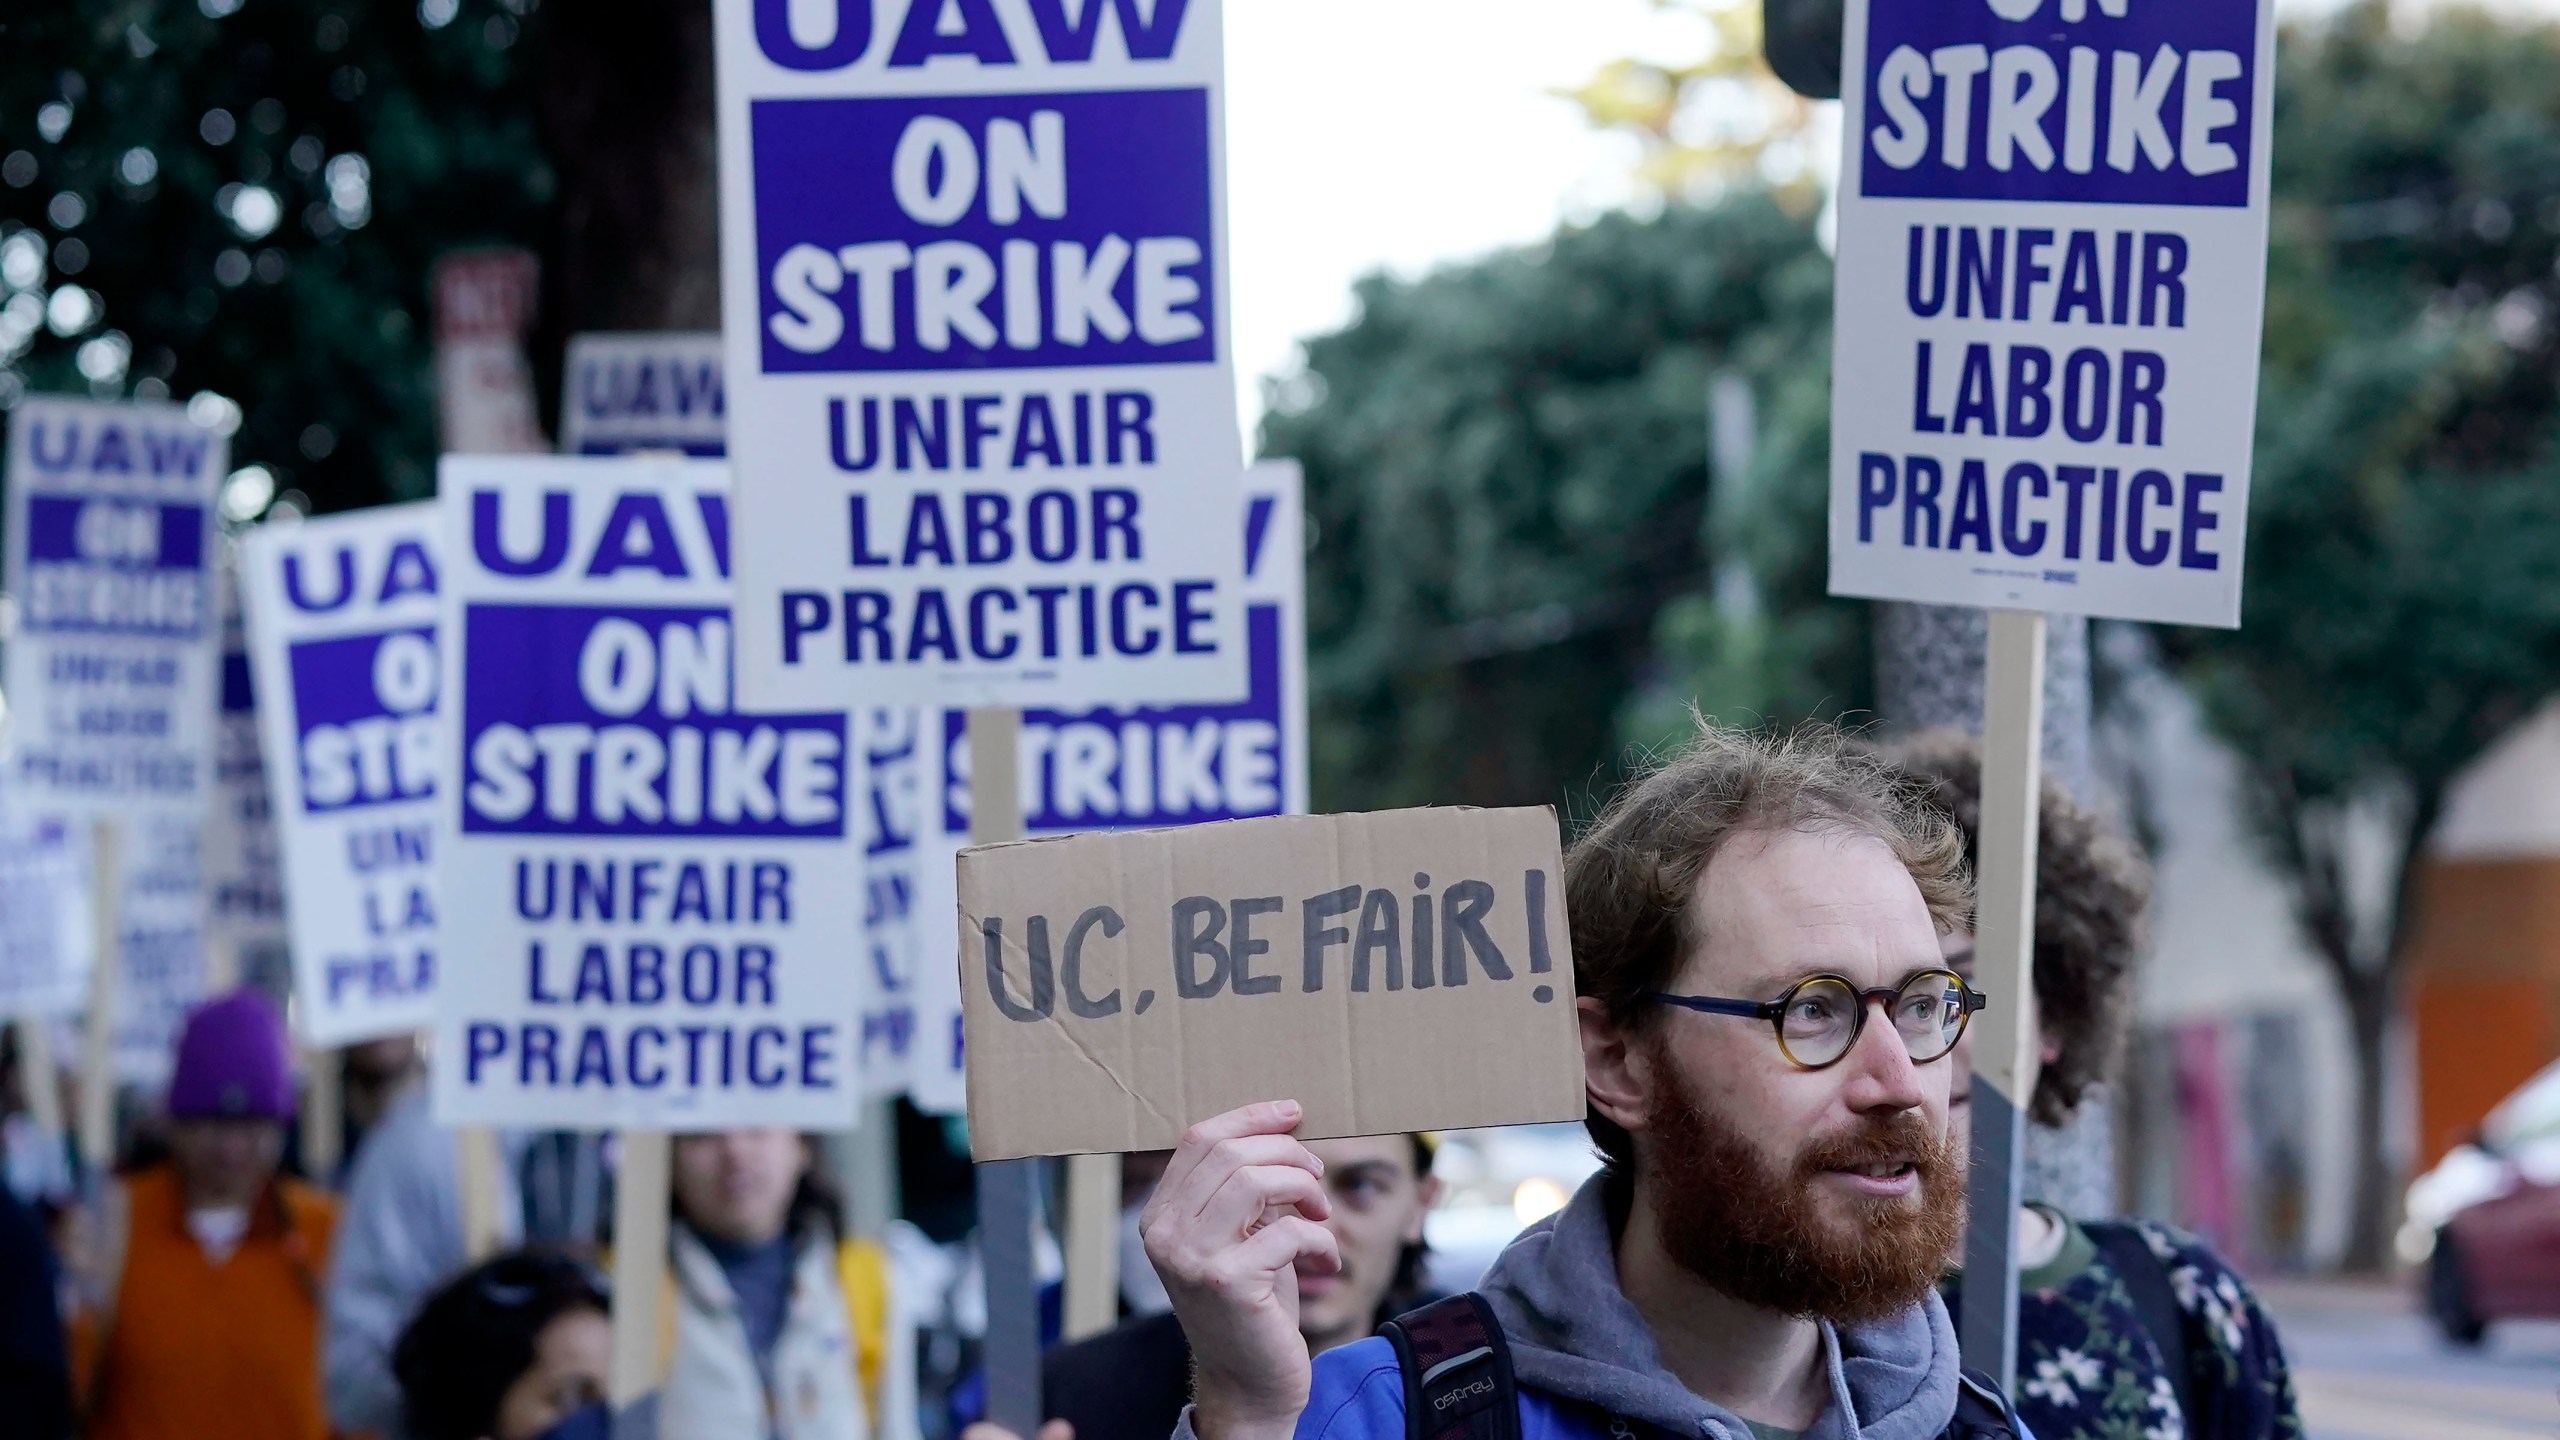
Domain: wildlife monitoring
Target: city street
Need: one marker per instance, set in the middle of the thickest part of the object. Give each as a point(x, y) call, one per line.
point(2370, 1367)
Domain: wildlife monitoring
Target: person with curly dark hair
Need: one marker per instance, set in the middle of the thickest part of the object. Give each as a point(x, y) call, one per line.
point(507, 1350)
point(2125, 1327)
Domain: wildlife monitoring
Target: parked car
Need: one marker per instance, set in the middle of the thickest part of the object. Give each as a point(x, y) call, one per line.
point(2486, 1219)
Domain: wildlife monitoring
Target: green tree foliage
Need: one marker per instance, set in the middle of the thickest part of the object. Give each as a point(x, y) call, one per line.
point(2403, 596)
point(1507, 471)
point(248, 198)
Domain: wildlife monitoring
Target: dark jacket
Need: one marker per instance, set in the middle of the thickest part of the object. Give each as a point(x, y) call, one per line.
point(1125, 1384)
point(35, 1366)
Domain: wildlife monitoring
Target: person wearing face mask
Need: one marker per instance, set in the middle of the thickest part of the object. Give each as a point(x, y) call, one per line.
point(202, 1319)
point(2125, 1327)
point(1131, 1383)
point(508, 1350)
point(1766, 1022)
point(776, 1326)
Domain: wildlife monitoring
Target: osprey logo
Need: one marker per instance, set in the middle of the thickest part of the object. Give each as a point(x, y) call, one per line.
point(1447, 1398)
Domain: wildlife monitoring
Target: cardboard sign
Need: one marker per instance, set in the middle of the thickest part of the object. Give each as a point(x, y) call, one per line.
point(2052, 275)
point(649, 891)
point(161, 931)
point(1133, 767)
point(244, 866)
point(657, 390)
point(1407, 970)
point(110, 675)
point(344, 613)
point(974, 281)
point(45, 940)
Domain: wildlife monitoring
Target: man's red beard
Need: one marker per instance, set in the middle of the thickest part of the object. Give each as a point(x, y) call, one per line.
point(1759, 1233)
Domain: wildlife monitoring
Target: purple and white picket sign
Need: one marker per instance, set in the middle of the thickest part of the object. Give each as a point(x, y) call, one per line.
point(45, 938)
point(344, 613)
point(160, 943)
point(244, 864)
point(2052, 279)
point(628, 391)
point(111, 673)
point(975, 289)
point(648, 890)
point(1128, 767)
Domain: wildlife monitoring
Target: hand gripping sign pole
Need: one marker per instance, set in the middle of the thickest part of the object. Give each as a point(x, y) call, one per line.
point(2004, 961)
point(1007, 1189)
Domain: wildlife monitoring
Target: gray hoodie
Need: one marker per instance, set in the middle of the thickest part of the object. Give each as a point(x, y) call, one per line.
point(1576, 1338)
point(1574, 1334)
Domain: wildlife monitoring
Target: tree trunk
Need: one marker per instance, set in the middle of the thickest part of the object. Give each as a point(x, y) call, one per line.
point(628, 114)
point(2375, 1210)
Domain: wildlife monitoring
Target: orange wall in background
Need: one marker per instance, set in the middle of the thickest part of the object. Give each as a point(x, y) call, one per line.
point(2484, 988)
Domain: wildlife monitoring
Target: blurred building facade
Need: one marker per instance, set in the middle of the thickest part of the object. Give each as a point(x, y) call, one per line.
point(2234, 1109)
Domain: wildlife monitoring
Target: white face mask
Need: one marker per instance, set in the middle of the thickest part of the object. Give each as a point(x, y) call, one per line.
point(1141, 1289)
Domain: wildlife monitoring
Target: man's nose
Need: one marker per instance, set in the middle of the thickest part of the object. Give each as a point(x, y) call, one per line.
point(1882, 1075)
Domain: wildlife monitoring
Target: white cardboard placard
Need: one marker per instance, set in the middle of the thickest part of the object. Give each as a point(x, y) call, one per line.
point(974, 279)
point(2052, 279)
point(244, 864)
point(626, 391)
point(111, 673)
point(161, 935)
point(46, 945)
point(1127, 767)
point(344, 615)
point(650, 892)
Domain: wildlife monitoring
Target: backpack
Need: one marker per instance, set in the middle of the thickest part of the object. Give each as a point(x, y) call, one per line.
point(1458, 1382)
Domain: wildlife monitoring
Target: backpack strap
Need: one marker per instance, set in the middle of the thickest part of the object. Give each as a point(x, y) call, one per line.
point(1458, 1383)
point(1982, 1412)
point(2155, 1303)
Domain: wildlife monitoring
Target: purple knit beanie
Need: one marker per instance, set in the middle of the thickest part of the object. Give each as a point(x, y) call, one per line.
point(232, 1062)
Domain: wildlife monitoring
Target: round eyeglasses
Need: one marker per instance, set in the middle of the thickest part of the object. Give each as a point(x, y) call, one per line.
point(1820, 1018)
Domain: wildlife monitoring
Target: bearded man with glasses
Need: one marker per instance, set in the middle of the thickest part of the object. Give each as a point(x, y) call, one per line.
point(1766, 1024)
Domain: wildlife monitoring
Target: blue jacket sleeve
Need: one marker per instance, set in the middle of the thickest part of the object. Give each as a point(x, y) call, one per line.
point(1358, 1394)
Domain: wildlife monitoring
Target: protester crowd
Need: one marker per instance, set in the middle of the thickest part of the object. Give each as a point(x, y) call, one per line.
point(1772, 941)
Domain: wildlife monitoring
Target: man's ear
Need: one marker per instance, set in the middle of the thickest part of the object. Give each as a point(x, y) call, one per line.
point(1616, 1077)
point(1430, 1190)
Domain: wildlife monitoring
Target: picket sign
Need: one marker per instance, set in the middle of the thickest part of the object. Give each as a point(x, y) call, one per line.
point(45, 948)
point(2051, 285)
point(111, 671)
point(646, 885)
point(244, 891)
point(975, 292)
point(343, 625)
point(623, 392)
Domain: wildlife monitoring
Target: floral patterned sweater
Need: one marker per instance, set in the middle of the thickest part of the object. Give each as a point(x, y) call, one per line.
point(2088, 1369)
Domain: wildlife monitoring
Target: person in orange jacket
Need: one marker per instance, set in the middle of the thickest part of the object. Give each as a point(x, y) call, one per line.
point(202, 1320)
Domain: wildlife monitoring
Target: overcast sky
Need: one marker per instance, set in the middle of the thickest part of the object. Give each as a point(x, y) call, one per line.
point(1407, 133)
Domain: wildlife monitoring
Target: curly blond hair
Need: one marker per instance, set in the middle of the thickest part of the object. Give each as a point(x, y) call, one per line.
point(1632, 874)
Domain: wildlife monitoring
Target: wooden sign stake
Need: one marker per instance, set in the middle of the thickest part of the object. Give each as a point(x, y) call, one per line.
point(2003, 969)
point(98, 1034)
point(639, 1261)
point(1008, 1190)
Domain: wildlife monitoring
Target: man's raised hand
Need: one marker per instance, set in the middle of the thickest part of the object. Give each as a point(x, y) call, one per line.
point(1233, 1221)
